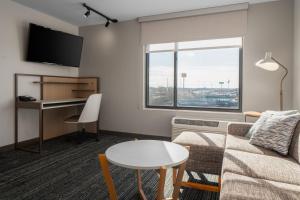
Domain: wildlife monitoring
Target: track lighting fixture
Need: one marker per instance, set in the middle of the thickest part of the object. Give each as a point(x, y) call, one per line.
point(107, 24)
point(88, 12)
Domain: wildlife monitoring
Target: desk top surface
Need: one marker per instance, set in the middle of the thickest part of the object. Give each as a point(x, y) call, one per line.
point(40, 103)
point(61, 100)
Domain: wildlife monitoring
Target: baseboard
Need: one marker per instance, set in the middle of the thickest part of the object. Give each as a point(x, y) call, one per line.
point(135, 135)
point(20, 144)
point(29, 142)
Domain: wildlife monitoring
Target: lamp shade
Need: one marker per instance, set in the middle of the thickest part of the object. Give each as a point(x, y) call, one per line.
point(268, 63)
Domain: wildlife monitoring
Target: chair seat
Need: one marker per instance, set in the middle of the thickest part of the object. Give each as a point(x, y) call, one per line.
point(206, 151)
point(72, 120)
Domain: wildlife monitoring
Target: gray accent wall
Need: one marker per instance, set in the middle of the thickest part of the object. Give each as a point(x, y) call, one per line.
point(116, 56)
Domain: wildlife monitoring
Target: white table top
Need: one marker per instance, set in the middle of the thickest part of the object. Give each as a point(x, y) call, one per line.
point(147, 154)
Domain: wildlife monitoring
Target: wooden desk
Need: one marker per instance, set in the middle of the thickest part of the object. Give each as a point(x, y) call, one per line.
point(59, 96)
point(41, 106)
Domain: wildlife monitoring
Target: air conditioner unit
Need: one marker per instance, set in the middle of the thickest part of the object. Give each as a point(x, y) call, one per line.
point(181, 124)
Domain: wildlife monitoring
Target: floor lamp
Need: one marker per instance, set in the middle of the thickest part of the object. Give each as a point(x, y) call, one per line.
point(271, 64)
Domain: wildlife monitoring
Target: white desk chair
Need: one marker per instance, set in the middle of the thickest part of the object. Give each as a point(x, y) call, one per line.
point(89, 114)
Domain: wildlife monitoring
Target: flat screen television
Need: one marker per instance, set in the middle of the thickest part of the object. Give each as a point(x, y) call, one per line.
point(53, 47)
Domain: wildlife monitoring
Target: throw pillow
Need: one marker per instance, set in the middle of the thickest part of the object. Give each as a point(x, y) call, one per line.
point(261, 120)
point(275, 132)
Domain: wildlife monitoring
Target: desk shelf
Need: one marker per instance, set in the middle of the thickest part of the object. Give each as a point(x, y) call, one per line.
point(83, 90)
point(52, 82)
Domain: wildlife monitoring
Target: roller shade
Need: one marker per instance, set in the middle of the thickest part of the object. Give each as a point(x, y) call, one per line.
point(210, 26)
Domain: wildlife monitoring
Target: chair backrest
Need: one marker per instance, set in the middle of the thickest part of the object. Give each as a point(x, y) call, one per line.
point(90, 112)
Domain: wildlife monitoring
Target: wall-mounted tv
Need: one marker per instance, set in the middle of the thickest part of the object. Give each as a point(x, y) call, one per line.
point(53, 47)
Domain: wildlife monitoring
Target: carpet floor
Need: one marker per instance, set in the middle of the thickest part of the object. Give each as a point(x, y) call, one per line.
point(67, 170)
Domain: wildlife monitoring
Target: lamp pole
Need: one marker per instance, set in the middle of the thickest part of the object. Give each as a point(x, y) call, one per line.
point(281, 81)
point(269, 63)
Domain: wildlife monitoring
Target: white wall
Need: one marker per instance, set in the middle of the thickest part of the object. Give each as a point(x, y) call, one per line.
point(296, 73)
point(116, 56)
point(14, 19)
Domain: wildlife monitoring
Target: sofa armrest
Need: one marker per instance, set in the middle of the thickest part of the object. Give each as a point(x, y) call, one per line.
point(238, 128)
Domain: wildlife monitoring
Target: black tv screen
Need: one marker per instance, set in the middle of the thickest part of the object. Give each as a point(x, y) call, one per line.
point(53, 47)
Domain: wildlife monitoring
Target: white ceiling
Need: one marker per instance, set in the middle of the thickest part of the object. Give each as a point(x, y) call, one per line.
point(71, 10)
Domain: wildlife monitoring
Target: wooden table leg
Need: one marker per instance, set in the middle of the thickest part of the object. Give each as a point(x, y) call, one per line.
point(178, 181)
point(107, 177)
point(162, 181)
point(140, 187)
point(175, 171)
point(219, 182)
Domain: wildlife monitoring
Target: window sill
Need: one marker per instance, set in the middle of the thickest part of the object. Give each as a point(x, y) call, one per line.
point(183, 110)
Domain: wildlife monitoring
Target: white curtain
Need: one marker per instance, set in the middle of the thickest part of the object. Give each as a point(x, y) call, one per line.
point(210, 26)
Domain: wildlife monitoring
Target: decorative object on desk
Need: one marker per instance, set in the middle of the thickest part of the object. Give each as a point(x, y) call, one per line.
point(271, 64)
point(26, 98)
point(89, 114)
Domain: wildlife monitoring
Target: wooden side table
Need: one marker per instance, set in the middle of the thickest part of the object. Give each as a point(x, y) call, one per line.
point(145, 155)
point(251, 114)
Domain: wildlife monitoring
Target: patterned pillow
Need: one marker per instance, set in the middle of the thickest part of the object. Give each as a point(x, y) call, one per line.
point(255, 126)
point(274, 131)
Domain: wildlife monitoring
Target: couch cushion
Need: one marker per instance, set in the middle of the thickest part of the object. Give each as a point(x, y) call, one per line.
point(275, 168)
point(239, 187)
point(206, 150)
point(294, 150)
point(242, 144)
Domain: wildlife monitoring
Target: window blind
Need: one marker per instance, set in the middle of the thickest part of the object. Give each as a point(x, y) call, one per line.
point(208, 26)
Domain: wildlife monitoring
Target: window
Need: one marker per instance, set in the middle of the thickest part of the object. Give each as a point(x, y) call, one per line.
point(202, 75)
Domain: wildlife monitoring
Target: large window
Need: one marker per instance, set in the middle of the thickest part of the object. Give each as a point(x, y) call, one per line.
point(202, 74)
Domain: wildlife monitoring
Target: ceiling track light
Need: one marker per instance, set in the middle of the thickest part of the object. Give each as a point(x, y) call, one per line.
point(88, 13)
point(107, 23)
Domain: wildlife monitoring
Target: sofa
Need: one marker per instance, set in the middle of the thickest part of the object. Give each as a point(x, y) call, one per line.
point(252, 172)
point(247, 172)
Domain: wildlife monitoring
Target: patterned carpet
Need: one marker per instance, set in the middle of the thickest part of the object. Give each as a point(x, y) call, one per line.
point(67, 170)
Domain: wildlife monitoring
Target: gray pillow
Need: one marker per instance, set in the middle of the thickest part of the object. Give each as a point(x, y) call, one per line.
point(274, 131)
point(261, 120)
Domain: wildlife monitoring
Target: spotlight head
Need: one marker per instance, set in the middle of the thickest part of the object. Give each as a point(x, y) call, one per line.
point(87, 14)
point(107, 24)
point(114, 20)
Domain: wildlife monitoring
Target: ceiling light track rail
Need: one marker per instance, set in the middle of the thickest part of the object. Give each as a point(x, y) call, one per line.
point(88, 12)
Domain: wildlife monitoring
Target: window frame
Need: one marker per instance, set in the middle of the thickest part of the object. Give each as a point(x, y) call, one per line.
point(175, 107)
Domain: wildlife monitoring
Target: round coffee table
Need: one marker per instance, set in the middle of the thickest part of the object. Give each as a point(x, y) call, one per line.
point(145, 155)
